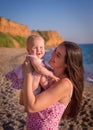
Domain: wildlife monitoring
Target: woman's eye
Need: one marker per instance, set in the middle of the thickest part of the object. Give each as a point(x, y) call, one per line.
point(58, 55)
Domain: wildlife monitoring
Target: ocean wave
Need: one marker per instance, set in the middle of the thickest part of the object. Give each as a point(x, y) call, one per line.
point(90, 79)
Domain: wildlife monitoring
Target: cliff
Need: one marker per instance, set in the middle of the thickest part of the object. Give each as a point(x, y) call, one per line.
point(13, 28)
point(54, 38)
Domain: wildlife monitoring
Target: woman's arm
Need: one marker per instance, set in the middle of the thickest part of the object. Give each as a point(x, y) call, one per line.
point(45, 99)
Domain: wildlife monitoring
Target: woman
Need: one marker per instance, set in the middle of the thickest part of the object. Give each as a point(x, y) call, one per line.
point(62, 98)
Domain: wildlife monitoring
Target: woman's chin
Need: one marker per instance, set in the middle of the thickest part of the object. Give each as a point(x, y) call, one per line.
point(50, 63)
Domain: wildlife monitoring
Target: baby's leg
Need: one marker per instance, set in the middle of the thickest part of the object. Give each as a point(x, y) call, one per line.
point(44, 82)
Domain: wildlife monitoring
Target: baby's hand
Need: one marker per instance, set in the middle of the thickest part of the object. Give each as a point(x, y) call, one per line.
point(55, 78)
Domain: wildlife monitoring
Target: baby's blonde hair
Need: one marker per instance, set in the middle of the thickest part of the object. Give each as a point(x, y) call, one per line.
point(33, 37)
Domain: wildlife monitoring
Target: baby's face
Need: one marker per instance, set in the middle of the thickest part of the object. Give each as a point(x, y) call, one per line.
point(37, 48)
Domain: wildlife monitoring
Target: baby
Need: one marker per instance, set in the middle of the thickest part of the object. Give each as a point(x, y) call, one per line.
point(41, 75)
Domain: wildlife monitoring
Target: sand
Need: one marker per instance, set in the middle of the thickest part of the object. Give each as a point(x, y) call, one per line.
point(12, 115)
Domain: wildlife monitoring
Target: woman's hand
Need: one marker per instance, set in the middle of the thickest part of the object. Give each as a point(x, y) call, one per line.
point(27, 67)
point(28, 96)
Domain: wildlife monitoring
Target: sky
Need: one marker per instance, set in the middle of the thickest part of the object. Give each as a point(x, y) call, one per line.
point(72, 19)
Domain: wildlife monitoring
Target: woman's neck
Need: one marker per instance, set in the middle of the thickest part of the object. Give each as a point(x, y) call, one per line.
point(59, 73)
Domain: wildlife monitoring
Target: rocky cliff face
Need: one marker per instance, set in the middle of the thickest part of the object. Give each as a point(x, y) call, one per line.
point(14, 28)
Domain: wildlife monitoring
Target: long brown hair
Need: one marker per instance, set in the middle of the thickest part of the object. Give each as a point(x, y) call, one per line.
point(75, 73)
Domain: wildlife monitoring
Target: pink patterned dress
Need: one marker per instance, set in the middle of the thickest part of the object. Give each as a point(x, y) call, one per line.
point(47, 119)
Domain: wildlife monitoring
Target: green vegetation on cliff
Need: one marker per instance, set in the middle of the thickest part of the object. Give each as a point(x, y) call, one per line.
point(5, 40)
point(21, 40)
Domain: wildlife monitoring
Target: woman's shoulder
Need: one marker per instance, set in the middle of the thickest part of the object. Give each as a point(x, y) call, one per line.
point(68, 90)
point(66, 82)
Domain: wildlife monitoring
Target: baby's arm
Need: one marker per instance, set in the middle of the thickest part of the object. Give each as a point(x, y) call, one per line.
point(41, 69)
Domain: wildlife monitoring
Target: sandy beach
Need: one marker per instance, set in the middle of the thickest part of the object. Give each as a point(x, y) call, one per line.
point(12, 115)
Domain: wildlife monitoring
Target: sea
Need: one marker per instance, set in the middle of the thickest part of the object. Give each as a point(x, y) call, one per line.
point(87, 51)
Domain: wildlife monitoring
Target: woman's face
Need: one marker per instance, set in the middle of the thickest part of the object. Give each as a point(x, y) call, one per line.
point(58, 57)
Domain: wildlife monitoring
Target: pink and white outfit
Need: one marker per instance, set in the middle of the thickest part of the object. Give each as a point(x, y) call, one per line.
point(47, 119)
